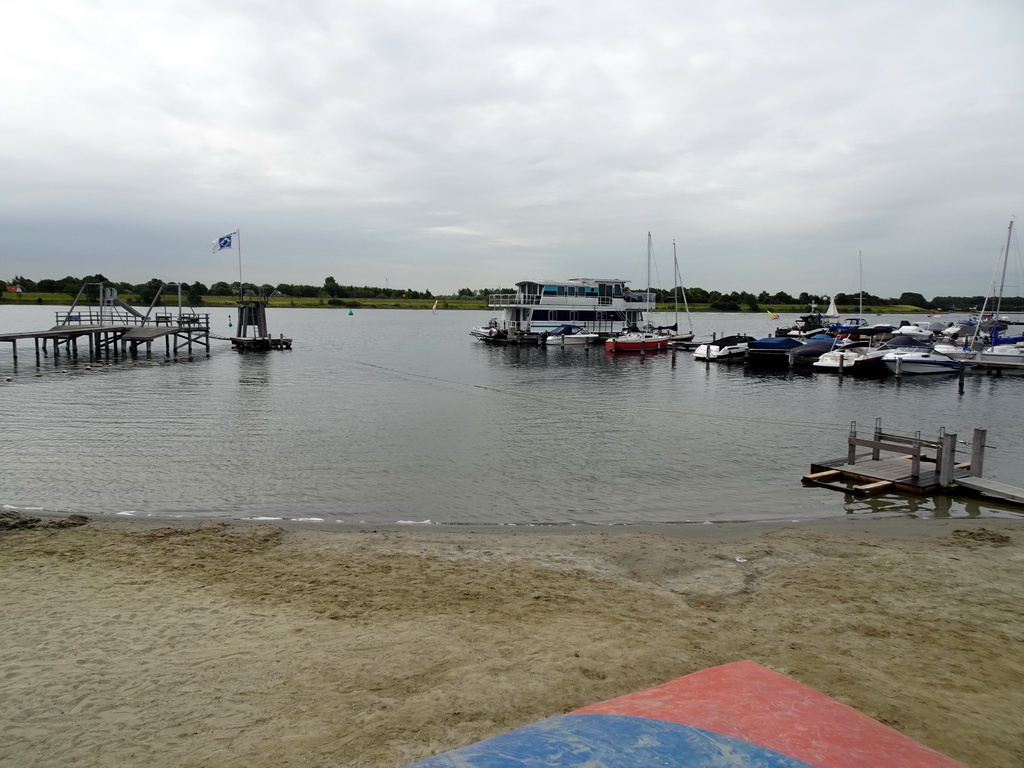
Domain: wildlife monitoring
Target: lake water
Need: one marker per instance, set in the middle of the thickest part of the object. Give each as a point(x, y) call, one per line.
point(392, 416)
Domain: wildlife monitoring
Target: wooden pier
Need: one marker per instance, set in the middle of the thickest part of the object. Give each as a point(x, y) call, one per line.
point(117, 336)
point(909, 465)
point(113, 328)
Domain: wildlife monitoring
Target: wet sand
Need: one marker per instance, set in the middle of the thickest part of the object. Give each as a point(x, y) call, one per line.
point(131, 643)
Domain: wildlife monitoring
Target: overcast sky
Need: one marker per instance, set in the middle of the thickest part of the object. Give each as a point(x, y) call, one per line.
point(475, 143)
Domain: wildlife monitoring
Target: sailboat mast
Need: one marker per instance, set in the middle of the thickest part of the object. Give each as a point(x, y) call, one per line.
point(654, 304)
point(675, 280)
point(860, 269)
point(648, 262)
point(1006, 258)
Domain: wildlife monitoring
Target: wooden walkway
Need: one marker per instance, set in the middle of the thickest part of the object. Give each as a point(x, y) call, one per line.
point(992, 488)
point(114, 338)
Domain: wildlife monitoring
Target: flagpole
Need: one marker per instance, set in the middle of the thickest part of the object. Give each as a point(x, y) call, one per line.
point(238, 234)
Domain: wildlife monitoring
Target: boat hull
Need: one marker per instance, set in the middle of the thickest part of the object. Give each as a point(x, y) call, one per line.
point(620, 344)
point(919, 364)
point(838, 360)
point(725, 348)
point(571, 340)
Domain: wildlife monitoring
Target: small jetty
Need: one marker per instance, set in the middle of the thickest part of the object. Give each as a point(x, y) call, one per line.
point(909, 464)
point(102, 325)
point(114, 328)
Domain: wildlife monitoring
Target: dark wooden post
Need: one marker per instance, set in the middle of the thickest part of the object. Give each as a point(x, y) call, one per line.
point(915, 461)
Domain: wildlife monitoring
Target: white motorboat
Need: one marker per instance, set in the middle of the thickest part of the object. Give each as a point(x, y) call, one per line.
point(725, 348)
point(565, 335)
point(914, 330)
point(842, 358)
point(1006, 355)
point(871, 363)
point(490, 332)
point(922, 361)
point(948, 347)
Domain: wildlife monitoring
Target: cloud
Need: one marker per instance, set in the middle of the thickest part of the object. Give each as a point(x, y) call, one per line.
point(479, 143)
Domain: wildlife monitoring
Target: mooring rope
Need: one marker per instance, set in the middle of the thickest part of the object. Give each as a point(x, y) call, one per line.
point(718, 416)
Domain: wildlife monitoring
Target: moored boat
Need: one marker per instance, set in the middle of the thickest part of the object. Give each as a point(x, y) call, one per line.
point(635, 338)
point(725, 348)
point(1009, 357)
point(638, 341)
point(810, 352)
point(602, 306)
point(570, 334)
point(923, 361)
point(842, 357)
point(871, 362)
point(490, 332)
point(771, 351)
point(598, 305)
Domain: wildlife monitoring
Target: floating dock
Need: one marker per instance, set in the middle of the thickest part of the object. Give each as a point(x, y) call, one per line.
point(909, 465)
point(260, 344)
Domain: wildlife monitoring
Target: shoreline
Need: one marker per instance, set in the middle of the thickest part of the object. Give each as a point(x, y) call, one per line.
point(243, 643)
point(894, 525)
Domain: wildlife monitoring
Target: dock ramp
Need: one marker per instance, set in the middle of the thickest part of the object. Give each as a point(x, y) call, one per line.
point(992, 488)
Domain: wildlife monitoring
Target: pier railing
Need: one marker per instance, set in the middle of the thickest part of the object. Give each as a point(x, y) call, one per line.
point(121, 317)
point(915, 448)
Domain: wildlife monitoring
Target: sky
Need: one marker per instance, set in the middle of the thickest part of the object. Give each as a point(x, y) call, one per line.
point(779, 145)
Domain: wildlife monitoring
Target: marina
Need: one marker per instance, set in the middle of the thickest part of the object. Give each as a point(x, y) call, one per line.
point(399, 417)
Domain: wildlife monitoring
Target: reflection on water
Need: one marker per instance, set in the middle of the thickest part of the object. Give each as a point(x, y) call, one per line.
point(926, 506)
point(385, 416)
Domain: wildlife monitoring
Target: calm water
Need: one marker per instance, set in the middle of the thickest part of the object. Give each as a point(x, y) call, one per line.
point(400, 416)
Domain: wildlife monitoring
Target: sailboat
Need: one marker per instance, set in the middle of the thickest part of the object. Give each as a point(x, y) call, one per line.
point(637, 340)
point(678, 284)
point(1007, 351)
point(832, 311)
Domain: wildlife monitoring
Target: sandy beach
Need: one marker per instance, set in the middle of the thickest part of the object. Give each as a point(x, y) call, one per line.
point(131, 643)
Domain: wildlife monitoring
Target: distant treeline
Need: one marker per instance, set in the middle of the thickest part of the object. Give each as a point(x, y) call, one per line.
point(734, 301)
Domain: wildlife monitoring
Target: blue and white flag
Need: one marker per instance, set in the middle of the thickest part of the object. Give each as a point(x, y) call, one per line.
point(224, 241)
